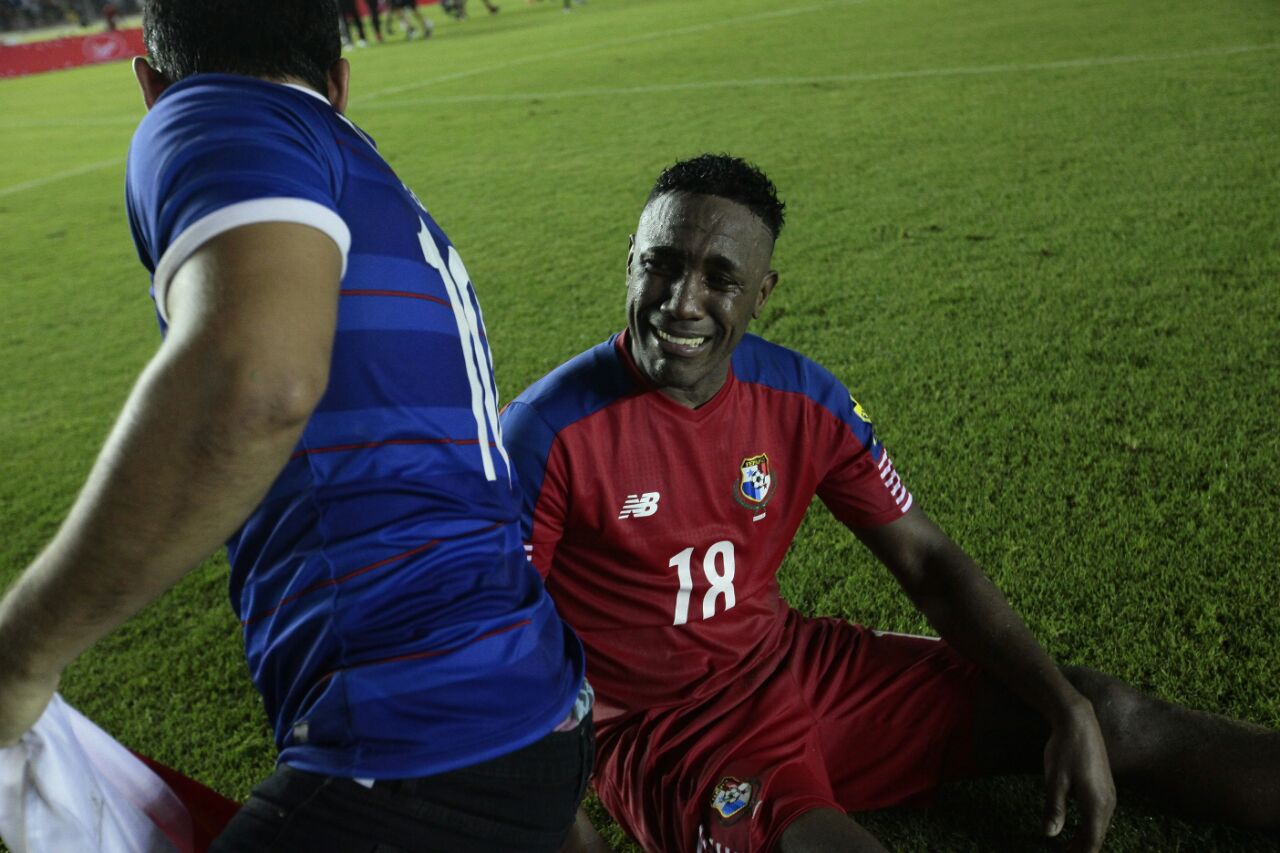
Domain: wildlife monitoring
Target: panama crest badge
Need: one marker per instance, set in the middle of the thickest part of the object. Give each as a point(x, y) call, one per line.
point(732, 798)
point(755, 482)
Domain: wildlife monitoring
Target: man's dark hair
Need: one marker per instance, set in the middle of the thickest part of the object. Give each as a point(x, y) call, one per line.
point(728, 177)
point(284, 38)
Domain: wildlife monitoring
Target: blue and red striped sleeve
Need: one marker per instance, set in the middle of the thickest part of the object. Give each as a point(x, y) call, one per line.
point(858, 483)
point(543, 477)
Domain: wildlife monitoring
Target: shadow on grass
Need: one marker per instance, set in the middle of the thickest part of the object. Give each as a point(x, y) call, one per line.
point(1003, 816)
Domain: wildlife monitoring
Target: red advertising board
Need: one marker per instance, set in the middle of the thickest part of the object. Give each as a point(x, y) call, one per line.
point(19, 59)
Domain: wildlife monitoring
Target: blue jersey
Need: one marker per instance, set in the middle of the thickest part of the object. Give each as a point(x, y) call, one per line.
point(391, 620)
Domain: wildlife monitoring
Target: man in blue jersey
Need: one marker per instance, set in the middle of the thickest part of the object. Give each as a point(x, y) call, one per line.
point(323, 402)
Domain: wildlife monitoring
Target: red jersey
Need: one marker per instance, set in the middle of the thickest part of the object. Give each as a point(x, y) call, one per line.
point(660, 529)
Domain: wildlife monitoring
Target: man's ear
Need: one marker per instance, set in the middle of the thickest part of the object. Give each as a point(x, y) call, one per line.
point(766, 287)
point(150, 81)
point(339, 78)
point(631, 254)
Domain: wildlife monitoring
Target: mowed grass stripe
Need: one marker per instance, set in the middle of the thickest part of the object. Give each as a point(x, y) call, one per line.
point(717, 22)
point(793, 82)
point(867, 77)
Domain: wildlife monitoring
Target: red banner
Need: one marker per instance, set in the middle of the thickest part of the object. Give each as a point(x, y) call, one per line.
point(21, 59)
point(18, 60)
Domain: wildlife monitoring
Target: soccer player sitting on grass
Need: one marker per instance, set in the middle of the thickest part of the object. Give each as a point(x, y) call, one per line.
point(666, 472)
point(324, 403)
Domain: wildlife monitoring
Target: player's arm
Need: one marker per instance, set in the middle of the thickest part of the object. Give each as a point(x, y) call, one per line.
point(967, 609)
point(583, 837)
point(544, 488)
point(541, 468)
point(205, 431)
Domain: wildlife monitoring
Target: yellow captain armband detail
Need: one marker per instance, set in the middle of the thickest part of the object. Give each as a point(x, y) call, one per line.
point(859, 411)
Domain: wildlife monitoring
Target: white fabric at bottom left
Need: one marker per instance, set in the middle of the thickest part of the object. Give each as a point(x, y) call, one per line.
point(69, 786)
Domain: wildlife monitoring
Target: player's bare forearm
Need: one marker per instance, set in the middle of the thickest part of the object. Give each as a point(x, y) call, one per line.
point(583, 837)
point(966, 608)
point(205, 431)
point(185, 464)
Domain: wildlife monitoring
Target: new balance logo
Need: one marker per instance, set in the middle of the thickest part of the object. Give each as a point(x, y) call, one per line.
point(638, 506)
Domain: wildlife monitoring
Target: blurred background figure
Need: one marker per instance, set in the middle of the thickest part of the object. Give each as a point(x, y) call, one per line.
point(374, 18)
point(568, 4)
point(349, 15)
point(405, 7)
point(458, 8)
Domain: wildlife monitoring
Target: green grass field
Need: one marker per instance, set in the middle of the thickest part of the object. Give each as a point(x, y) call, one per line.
point(1039, 239)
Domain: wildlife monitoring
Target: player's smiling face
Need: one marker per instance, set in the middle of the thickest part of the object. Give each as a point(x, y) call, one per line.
point(697, 273)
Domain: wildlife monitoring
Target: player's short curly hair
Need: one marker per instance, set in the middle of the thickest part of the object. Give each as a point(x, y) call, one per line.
point(728, 177)
point(284, 38)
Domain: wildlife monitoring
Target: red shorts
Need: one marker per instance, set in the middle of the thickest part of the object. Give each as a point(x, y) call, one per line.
point(849, 719)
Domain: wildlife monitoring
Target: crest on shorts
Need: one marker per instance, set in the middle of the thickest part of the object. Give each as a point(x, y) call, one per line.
point(732, 798)
point(755, 482)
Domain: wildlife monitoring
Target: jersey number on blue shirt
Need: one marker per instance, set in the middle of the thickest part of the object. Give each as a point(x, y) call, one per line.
point(483, 400)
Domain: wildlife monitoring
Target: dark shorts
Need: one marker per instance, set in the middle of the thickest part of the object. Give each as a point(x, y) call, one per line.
point(852, 719)
point(524, 801)
point(404, 4)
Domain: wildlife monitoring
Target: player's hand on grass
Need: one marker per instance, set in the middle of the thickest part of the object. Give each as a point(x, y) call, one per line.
point(1076, 766)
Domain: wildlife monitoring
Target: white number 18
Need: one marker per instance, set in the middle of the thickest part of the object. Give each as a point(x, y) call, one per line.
point(721, 580)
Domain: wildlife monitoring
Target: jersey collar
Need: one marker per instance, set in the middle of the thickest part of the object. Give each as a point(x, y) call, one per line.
point(661, 400)
point(307, 90)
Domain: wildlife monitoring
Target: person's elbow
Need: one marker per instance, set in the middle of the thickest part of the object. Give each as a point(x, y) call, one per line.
point(272, 401)
point(236, 398)
point(252, 319)
point(918, 554)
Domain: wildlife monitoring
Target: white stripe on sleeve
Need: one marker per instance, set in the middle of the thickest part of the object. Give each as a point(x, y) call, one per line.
point(300, 210)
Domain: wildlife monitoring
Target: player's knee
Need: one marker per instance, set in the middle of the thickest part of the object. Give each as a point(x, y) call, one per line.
point(1129, 720)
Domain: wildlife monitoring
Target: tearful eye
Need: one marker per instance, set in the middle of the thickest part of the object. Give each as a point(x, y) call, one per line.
point(657, 267)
